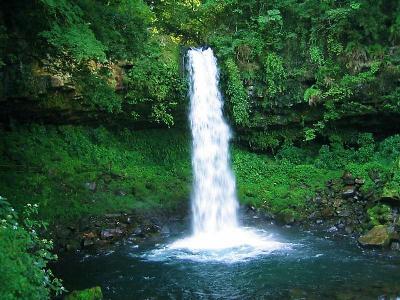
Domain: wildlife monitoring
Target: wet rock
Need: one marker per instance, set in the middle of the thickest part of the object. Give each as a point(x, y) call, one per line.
point(395, 246)
point(107, 234)
point(112, 216)
point(349, 229)
point(165, 230)
point(87, 243)
point(341, 226)
point(343, 212)
point(318, 199)
point(348, 178)
point(377, 236)
point(349, 192)
point(332, 229)
point(327, 212)
point(313, 215)
point(138, 231)
point(94, 293)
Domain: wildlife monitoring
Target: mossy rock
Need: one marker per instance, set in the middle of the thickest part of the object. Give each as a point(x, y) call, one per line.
point(379, 236)
point(93, 293)
point(287, 216)
point(391, 192)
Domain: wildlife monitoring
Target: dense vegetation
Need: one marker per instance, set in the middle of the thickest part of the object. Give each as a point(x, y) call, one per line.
point(90, 89)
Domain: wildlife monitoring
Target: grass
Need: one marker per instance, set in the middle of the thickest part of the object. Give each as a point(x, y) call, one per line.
point(54, 166)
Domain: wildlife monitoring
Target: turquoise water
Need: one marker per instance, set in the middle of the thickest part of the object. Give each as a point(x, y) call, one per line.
point(315, 265)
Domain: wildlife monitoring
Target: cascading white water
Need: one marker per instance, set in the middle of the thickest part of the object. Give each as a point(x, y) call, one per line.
point(217, 235)
point(214, 203)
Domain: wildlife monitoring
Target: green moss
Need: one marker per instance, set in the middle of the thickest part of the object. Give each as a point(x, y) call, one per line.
point(276, 185)
point(94, 293)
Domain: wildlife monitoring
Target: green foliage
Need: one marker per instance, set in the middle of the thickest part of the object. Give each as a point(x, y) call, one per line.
point(24, 256)
point(312, 95)
point(274, 74)
point(151, 167)
point(237, 93)
point(379, 214)
point(390, 148)
point(76, 40)
point(155, 78)
point(121, 26)
point(277, 185)
point(309, 134)
point(316, 55)
point(88, 294)
point(366, 148)
point(292, 154)
point(263, 141)
point(98, 94)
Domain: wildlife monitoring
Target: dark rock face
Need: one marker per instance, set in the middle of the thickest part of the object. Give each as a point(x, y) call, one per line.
point(98, 231)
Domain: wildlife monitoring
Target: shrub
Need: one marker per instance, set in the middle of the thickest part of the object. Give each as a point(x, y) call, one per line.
point(24, 256)
point(379, 214)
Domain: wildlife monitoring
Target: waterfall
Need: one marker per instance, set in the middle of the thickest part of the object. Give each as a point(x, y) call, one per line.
point(217, 235)
point(214, 204)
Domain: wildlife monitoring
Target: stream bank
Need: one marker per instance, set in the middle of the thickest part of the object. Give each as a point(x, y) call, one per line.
point(307, 269)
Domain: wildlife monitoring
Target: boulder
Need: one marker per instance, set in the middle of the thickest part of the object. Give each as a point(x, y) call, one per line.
point(93, 293)
point(107, 234)
point(395, 246)
point(349, 192)
point(348, 178)
point(87, 243)
point(378, 236)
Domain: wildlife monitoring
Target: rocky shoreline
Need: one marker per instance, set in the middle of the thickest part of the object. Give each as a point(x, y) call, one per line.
point(101, 231)
point(342, 207)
